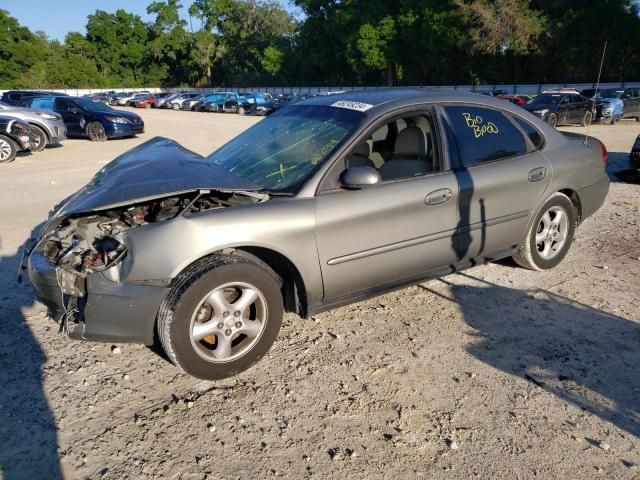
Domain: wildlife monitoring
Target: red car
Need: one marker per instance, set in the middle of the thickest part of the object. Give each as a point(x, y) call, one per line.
point(146, 102)
point(517, 99)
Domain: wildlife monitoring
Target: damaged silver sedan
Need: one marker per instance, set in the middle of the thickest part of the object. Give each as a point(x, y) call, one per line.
point(327, 202)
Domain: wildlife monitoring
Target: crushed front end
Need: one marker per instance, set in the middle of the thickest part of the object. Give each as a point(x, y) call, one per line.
point(75, 267)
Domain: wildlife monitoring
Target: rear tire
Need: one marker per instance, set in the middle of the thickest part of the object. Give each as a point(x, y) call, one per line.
point(8, 149)
point(40, 139)
point(550, 235)
point(202, 319)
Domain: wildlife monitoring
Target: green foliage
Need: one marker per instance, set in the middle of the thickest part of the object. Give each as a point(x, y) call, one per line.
point(337, 42)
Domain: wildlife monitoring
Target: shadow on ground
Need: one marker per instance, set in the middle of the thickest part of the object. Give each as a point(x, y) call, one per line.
point(28, 435)
point(582, 355)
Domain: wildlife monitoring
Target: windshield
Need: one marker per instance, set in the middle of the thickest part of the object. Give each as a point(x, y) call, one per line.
point(611, 93)
point(282, 151)
point(544, 99)
point(89, 104)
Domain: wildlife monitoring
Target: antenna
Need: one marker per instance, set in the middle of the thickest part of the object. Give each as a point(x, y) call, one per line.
point(595, 95)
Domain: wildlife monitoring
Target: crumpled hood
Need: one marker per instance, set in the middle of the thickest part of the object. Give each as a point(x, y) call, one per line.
point(159, 167)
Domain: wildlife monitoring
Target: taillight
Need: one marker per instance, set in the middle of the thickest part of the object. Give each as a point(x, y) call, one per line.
point(605, 155)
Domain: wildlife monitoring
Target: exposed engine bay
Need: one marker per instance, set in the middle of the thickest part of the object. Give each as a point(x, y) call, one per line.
point(81, 244)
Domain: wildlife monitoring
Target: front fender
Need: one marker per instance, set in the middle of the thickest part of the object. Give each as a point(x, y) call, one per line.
point(160, 251)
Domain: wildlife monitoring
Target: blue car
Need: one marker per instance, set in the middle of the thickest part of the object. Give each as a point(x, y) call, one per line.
point(610, 106)
point(84, 117)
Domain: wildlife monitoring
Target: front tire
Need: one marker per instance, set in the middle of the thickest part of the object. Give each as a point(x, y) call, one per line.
point(8, 149)
point(550, 235)
point(175, 106)
point(586, 120)
point(40, 139)
point(221, 316)
point(96, 132)
point(553, 120)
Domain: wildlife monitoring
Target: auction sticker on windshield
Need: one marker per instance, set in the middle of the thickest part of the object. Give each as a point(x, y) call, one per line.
point(360, 107)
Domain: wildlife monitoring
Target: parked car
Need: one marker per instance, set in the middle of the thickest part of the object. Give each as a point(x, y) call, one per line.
point(562, 108)
point(113, 99)
point(634, 156)
point(163, 102)
point(215, 101)
point(137, 97)
point(191, 104)
point(329, 201)
point(124, 100)
point(85, 118)
point(609, 105)
point(517, 99)
point(243, 104)
point(176, 103)
point(17, 97)
point(15, 136)
point(47, 127)
point(148, 101)
point(276, 103)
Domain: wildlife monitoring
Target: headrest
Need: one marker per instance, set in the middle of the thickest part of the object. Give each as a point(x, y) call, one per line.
point(411, 143)
point(362, 150)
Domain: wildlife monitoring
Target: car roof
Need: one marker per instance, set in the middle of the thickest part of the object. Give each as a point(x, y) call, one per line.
point(373, 101)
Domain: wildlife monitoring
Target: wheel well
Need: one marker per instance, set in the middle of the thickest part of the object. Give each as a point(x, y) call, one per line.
point(46, 132)
point(573, 196)
point(294, 293)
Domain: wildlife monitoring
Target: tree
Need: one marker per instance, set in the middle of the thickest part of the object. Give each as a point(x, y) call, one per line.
point(501, 26)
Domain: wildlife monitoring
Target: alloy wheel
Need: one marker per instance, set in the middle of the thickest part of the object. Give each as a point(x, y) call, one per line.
point(551, 233)
point(5, 150)
point(228, 322)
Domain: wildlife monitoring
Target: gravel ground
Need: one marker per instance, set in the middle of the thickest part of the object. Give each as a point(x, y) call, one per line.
point(497, 372)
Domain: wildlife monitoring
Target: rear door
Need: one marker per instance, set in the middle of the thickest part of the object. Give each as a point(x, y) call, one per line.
point(71, 114)
point(502, 175)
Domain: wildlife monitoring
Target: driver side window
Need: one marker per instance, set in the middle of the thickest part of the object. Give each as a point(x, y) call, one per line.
point(402, 148)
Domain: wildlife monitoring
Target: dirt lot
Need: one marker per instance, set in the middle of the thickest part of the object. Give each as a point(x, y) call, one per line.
point(496, 373)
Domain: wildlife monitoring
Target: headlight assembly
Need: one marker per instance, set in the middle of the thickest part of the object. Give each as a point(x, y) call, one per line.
point(119, 120)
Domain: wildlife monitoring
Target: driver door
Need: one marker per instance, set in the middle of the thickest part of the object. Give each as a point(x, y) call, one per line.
point(391, 233)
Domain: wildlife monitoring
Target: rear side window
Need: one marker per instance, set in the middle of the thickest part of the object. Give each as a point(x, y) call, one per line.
point(531, 132)
point(483, 135)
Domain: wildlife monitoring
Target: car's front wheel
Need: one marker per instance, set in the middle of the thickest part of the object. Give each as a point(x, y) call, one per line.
point(39, 137)
point(8, 149)
point(221, 316)
point(96, 132)
point(550, 235)
point(553, 120)
point(586, 120)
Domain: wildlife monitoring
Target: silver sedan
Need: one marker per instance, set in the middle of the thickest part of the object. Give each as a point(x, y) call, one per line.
point(326, 202)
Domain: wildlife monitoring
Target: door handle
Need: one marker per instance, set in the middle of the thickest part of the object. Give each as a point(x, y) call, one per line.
point(438, 197)
point(537, 174)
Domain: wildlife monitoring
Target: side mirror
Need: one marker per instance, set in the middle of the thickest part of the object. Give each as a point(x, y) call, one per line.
point(360, 177)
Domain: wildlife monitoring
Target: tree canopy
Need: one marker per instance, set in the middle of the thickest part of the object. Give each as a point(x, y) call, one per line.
point(331, 42)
